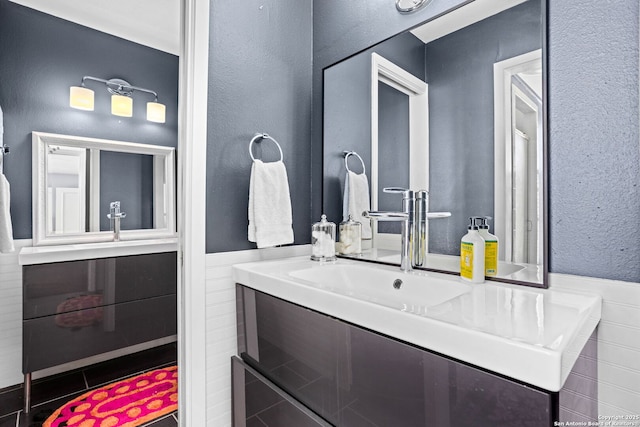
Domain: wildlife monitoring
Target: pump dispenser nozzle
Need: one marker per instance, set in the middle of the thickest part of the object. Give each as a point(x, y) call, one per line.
point(484, 224)
point(473, 222)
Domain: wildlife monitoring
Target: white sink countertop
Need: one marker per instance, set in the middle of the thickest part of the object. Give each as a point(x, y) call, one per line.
point(529, 334)
point(72, 252)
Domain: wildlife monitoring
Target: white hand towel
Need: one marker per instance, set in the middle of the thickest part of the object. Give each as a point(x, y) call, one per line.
point(6, 231)
point(270, 219)
point(356, 200)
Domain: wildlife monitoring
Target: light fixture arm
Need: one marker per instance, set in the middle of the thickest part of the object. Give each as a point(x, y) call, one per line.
point(119, 86)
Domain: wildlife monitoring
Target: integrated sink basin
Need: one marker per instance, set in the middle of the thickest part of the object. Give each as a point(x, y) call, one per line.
point(385, 287)
point(531, 335)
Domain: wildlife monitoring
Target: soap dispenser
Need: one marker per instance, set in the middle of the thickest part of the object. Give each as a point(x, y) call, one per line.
point(472, 254)
point(490, 248)
point(323, 240)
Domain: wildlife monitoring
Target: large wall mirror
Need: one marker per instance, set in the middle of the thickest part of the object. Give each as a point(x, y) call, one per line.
point(455, 106)
point(75, 179)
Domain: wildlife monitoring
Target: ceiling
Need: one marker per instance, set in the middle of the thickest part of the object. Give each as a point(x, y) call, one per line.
point(153, 23)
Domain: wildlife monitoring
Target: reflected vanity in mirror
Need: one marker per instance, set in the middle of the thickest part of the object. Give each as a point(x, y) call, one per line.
point(76, 181)
point(454, 107)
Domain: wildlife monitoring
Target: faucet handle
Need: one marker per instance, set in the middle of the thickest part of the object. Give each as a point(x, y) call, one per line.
point(406, 193)
point(115, 212)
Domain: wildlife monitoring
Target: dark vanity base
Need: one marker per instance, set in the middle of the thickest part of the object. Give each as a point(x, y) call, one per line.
point(78, 309)
point(353, 377)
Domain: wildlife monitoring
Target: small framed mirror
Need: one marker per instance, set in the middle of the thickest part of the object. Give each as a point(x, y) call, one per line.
point(75, 179)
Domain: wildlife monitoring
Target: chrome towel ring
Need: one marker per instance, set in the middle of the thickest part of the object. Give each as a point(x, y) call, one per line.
point(346, 158)
point(258, 136)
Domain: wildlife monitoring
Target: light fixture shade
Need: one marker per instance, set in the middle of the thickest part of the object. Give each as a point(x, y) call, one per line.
point(156, 112)
point(81, 98)
point(121, 106)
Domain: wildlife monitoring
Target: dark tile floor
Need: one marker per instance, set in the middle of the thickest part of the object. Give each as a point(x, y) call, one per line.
point(51, 392)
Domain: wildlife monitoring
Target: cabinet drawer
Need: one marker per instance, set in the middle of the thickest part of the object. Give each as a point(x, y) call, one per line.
point(259, 402)
point(53, 340)
point(51, 289)
point(351, 376)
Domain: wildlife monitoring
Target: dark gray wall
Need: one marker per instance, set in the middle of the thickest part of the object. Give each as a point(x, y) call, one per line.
point(133, 172)
point(347, 107)
point(461, 129)
point(259, 81)
point(40, 58)
point(594, 156)
point(393, 149)
point(594, 160)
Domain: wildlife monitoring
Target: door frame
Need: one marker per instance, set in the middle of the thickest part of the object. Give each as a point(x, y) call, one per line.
point(503, 72)
point(385, 71)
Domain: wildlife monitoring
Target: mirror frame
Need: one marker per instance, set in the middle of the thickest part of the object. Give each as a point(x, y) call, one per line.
point(545, 137)
point(164, 194)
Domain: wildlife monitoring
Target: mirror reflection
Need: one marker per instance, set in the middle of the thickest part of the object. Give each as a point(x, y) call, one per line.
point(79, 179)
point(457, 114)
point(73, 172)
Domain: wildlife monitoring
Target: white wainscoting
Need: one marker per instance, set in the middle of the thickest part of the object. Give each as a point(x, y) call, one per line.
point(11, 317)
point(618, 338)
point(221, 324)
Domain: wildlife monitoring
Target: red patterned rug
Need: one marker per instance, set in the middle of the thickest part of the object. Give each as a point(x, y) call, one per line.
point(126, 403)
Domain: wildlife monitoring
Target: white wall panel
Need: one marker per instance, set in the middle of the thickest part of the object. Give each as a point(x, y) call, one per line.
point(11, 317)
point(221, 324)
point(618, 333)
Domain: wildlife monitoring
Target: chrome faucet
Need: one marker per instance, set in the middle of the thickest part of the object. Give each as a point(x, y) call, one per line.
point(420, 224)
point(114, 216)
point(407, 216)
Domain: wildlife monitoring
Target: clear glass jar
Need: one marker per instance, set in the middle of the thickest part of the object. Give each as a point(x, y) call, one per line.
point(350, 234)
point(323, 240)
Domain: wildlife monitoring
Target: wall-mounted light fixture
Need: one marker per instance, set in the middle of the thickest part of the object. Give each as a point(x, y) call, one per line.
point(121, 91)
point(410, 6)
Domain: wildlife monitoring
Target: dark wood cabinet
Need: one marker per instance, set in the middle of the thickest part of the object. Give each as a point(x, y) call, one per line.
point(354, 377)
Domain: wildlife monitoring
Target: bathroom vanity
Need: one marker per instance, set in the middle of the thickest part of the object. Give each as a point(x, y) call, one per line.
point(86, 300)
point(353, 344)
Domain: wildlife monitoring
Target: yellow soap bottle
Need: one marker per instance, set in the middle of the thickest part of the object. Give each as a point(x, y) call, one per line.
point(472, 254)
point(490, 248)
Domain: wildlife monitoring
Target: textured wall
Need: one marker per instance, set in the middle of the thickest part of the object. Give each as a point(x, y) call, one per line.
point(259, 81)
point(594, 161)
point(40, 58)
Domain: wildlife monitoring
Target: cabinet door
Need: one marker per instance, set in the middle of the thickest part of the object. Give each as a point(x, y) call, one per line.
point(259, 403)
point(354, 377)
